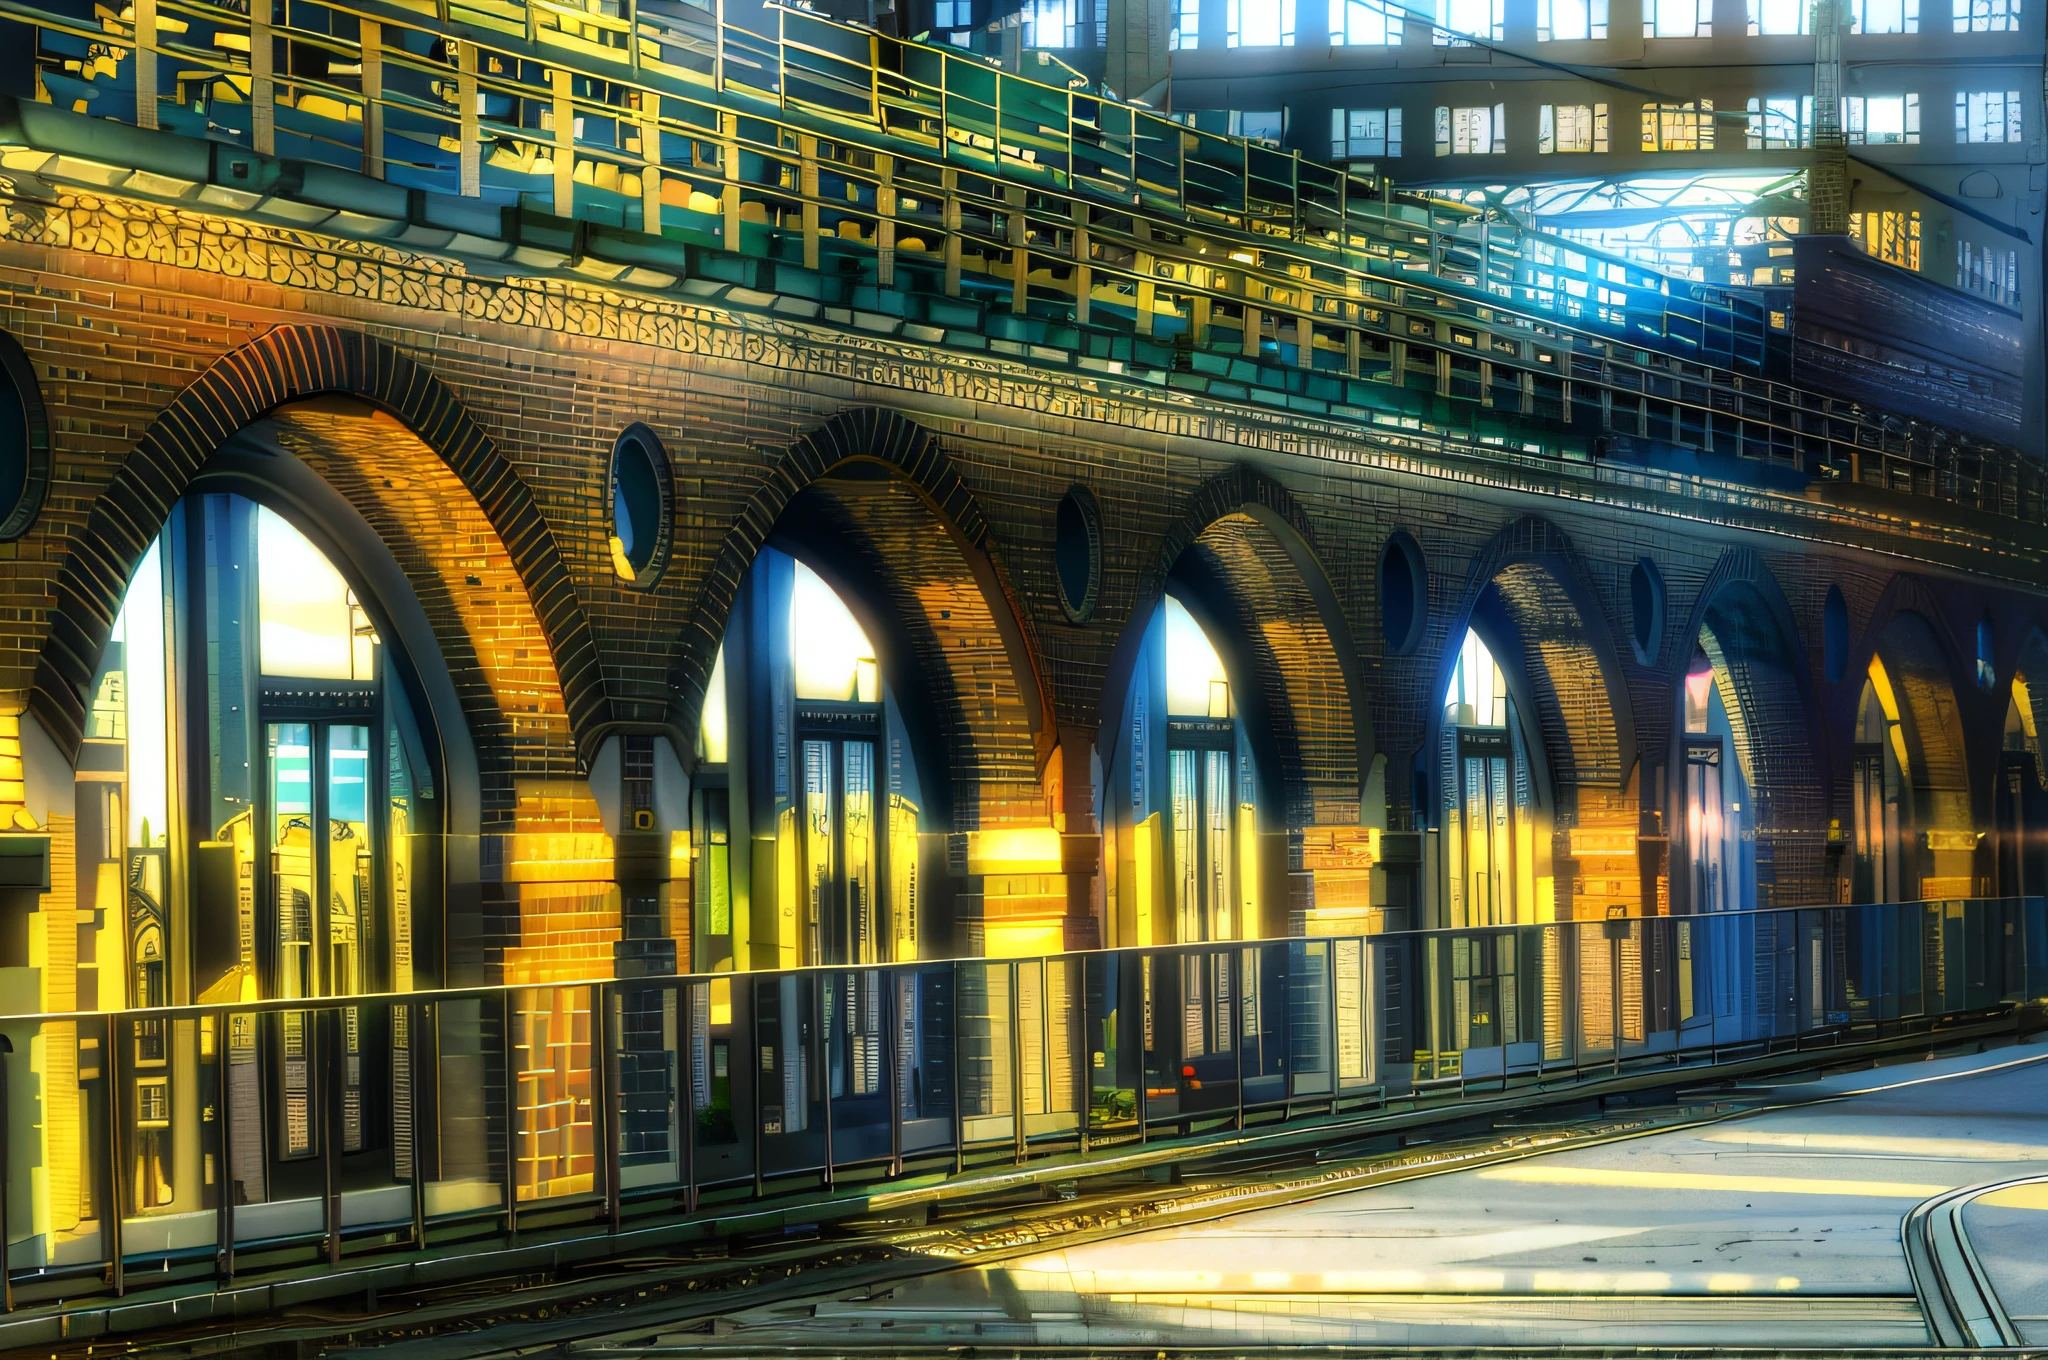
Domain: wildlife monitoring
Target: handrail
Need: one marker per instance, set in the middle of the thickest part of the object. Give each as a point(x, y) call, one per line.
point(1334, 253)
point(432, 996)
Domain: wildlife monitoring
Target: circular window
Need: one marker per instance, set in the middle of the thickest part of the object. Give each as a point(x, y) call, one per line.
point(24, 442)
point(1646, 604)
point(1077, 552)
point(1834, 635)
point(1404, 594)
point(640, 512)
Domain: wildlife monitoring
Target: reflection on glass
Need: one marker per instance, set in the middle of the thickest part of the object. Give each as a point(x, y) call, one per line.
point(1881, 771)
point(712, 735)
point(1193, 669)
point(862, 946)
point(290, 750)
point(819, 848)
point(827, 646)
point(312, 626)
point(349, 911)
point(1489, 844)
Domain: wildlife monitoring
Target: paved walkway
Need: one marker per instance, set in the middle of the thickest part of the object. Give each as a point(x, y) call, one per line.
point(1778, 1228)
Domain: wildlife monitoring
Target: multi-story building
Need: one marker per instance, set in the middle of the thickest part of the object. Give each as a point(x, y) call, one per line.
point(609, 611)
point(1676, 132)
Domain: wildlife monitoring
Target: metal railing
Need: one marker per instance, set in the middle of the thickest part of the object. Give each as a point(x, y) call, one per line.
point(197, 1146)
point(825, 165)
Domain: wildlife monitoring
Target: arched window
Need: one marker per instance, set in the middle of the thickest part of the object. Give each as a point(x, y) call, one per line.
point(1208, 805)
point(1718, 803)
point(2022, 792)
point(1882, 792)
point(1187, 799)
point(799, 715)
point(1492, 856)
point(252, 776)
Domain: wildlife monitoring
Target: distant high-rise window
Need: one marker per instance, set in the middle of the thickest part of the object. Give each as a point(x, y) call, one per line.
point(1261, 23)
point(1988, 116)
point(1891, 236)
point(1988, 272)
point(1460, 21)
point(1881, 119)
point(1186, 33)
point(1781, 123)
point(1775, 18)
point(1364, 23)
point(1368, 134)
point(1261, 125)
point(1884, 16)
point(1054, 23)
point(1678, 18)
point(1987, 16)
point(1571, 20)
point(1471, 132)
point(1571, 127)
point(1679, 127)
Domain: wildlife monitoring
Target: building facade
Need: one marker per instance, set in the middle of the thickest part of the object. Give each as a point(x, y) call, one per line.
point(416, 584)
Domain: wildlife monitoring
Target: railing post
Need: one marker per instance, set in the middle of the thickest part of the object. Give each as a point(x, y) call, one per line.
point(6, 1177)
point(1016, 1060)
point(224, 1193)
point(511, 1094)
point(820, 1013)
point(686, 1080)
point(111, 1211)
point(959, 1129)
point(1233, 962)
point(892, 1051)
point(416, 1019)
point(327, 1035)
point(753, 1052)
point(604, 1097)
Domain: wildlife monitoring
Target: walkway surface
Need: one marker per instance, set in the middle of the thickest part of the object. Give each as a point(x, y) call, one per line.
point(1775, 1228)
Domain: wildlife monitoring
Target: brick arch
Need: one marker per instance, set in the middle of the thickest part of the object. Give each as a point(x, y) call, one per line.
point(1908, 630)
point(290, 363)
point(920, 541)
point(1574, 672)
point(1777, 720)
point(1248, 548)
point(2031, 661)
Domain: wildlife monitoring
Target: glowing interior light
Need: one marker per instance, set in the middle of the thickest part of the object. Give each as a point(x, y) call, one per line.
point(1193, 670)
point(1699, 687)
point(311, 625)
point(713, 730)
point(833, 657)
point(1478, 693)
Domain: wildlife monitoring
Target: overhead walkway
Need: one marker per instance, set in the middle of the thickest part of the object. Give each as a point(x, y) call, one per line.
point(727, 1111)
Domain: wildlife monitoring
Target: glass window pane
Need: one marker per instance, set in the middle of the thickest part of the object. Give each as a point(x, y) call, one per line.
point(311, 625)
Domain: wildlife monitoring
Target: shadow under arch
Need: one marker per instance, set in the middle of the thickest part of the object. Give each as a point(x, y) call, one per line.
point(871, 500)
point(1909, 677)
point(1570, 662)
point(2019, 797)
point(1242, 555)
point(1743, 622)
point(290, 363)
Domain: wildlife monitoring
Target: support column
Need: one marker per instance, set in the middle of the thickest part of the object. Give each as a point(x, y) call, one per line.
point(564, 118)
point(650, 163)
point(262, 93)
point(885, 222)
point(145, 63)
point(1080, 836)
point(373, 95)
point(471, 155)
point(1084, 282)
